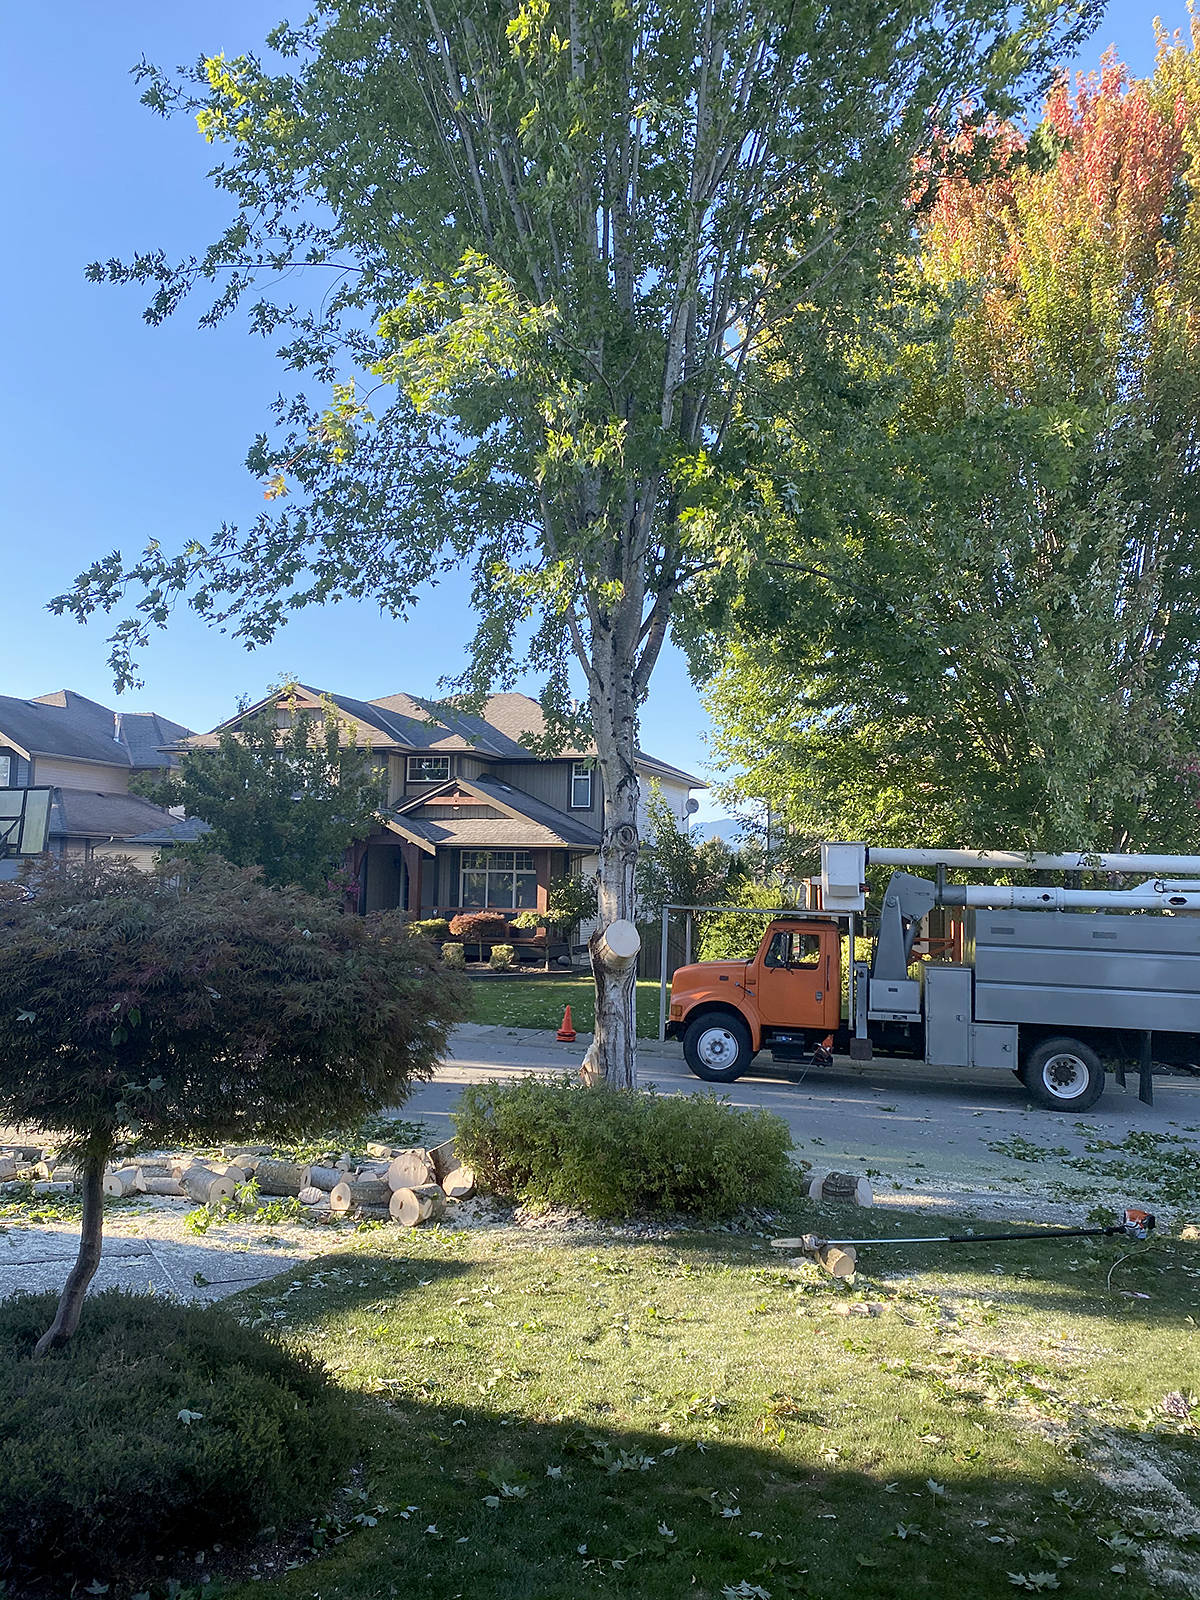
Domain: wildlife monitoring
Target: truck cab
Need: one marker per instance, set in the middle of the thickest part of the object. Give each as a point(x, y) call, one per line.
point(788, 996)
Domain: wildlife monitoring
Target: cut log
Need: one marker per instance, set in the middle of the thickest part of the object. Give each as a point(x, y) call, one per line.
point(459, 1184)
point(411, 1207)
point(24, 1153)
point(8, 1168)
point(49, 1186)
point(841, 1186)
point(47, 1169)
point(350, 1196)
point(385, 1152)
point(839, 1262)
point(279, 1177)
point(207, 1187)
point(238, 1175)
point(120, 1182)
point(311, 1196)
point(411, 1169)
point(371, 1169)
point(244, 1155)
point(325, 1178)
point(159, 1183)
point(443, 1158)
point(13, 1186)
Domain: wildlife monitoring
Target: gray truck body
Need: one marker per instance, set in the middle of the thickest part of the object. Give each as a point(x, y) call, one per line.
point(1111, 979)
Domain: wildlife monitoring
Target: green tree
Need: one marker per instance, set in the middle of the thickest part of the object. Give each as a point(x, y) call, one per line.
point(673, 869)
point(1003, 647)
point(200, 1008)
point(559, 240)
point(289, 801)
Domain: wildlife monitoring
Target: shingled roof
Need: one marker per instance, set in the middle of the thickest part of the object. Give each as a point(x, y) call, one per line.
point(525, 823)
point(68, 724)
point(411, 725)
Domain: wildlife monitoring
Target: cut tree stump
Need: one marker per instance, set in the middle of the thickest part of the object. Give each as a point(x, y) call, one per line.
point(120, 1182)
point(412, 1169)
point(279, 1177)
point(411, 1207)
point(206, 1186)
point(459, 1183)
point(357, 1193)
point(325, 1178)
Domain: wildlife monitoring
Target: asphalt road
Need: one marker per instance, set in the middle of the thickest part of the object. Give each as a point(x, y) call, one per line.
point(923, 1134)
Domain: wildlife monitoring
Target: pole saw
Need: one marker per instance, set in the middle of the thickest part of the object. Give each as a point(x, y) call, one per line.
point(838, 1256)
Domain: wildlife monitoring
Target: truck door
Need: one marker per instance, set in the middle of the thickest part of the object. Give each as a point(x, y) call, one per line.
point(799, 979)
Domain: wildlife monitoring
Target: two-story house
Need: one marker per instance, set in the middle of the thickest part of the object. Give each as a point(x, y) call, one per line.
point(86, 754)
point(474, 818)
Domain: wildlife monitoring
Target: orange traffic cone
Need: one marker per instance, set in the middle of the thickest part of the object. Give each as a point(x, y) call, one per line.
point(567, 1032)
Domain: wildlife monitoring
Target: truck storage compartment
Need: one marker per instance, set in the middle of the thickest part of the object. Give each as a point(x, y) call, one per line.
point(947, 1016)
point(994, 1044)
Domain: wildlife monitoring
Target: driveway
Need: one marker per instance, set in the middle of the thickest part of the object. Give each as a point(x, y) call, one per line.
point(924, 1136)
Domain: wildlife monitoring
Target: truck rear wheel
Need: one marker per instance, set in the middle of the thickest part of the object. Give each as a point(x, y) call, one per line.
point(1063, 1074)
point(716, 1047)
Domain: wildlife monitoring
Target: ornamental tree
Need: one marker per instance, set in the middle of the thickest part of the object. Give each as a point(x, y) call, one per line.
point(1001, 643)
point(288, 801)
point(555, 244)
point(200, 1007)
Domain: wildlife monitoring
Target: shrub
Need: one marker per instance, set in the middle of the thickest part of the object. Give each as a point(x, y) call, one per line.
point(200, 1006)
point(620, 1152)
point(160, 1428)
point(501, 958)
point(454, 956)
point(435, 928)
point(479, 927)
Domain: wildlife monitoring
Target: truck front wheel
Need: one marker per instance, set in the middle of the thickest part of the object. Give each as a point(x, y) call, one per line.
point(717, 1047)
point(1063, 1074)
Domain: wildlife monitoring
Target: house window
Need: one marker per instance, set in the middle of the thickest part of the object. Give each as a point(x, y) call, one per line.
point(428, 769)
point(581, 786)
point(504, 880)
point(6, 772)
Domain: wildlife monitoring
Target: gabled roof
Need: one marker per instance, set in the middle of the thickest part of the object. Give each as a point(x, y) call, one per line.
point(525, 823)
point(411, 725)
point(68, 724)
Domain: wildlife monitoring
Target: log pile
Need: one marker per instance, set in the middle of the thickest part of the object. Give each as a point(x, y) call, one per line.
point(410, 1186)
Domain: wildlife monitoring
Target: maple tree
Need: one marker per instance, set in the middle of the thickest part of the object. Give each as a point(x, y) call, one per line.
point(999, 643)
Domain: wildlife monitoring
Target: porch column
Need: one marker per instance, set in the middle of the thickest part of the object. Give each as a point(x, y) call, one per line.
point(411, 855)
point(541, 863)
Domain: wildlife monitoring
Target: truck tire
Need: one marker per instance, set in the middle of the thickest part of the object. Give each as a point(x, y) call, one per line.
point(1063, 1074)
point(716, 1047)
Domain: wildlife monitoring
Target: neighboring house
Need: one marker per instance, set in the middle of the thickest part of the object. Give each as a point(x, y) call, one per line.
point(87, 754)
point(474, 819)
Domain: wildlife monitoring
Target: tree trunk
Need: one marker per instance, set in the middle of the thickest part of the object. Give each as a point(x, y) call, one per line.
point(91, 1238)
point(612, 1056)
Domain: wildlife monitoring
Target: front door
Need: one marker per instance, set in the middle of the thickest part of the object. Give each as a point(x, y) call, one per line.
point(799, 978)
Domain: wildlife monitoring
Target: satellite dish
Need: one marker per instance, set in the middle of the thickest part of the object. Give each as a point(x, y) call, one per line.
point(692, 807)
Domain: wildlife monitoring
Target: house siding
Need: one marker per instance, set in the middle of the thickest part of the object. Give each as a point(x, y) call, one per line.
point(550, 781)
point(70, 774)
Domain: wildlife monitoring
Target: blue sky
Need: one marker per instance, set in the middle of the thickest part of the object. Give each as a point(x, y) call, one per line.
point(114, 432)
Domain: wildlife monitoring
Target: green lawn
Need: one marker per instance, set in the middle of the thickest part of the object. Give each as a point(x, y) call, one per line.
point(550, 1417)
point(537, 1002)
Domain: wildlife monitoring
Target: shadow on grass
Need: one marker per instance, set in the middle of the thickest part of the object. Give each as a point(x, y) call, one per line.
point(491, 1503)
